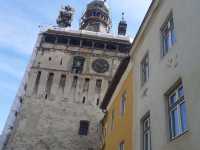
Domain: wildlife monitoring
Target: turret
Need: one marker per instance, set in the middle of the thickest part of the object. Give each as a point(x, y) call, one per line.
point(122, 26)
point(65, 16)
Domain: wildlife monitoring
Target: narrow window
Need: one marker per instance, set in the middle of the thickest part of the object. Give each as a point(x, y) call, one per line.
point(121, 146)
point(21, 100)
point(50, 39)
point(75, 42)
point(99, 45)
point(98, 84)
point(168, 35)
point(78, 64)
point(84, 127)
point(61, 61)
point(98, 101)
point(37, 81)
point(49, 83)
point(49, 58)
point(62, 82)
point(87, 43)
point(177, 112)
point(111, 46)
point(83, 100)
point(146, 133)
point(123, 104)
point(145, 69)
point(74, 82)
point(86, 85)
point(62, 40)
point(112, 119)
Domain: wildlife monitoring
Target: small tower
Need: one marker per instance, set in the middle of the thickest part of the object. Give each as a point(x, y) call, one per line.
point(122, 26)
point(65, 16)
point(96, 17)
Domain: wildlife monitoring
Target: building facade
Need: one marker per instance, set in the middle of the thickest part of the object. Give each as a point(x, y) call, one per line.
point(117, 124)
point(166, 69)
point(58, 103)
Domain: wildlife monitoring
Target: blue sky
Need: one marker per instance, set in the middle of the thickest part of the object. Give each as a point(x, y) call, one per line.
point(19, 28)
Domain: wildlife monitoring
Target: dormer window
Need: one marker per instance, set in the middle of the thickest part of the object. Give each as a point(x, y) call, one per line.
point(78, 64)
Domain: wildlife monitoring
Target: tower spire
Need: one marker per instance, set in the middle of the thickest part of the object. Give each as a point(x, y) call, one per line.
point(122, 26)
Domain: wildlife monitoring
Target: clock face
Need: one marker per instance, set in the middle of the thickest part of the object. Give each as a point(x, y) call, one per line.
point(100, 65)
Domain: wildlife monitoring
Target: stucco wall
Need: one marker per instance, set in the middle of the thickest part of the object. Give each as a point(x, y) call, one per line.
point(182, 61)
point(122, 125)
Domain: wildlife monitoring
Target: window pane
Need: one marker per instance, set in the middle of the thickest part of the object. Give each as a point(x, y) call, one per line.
point(147, 141)
point(173, 37)
point(168, 35)
point(173, 99)
point(180, 92)
point(174, 123)
point(146, 134)
point(183, 116)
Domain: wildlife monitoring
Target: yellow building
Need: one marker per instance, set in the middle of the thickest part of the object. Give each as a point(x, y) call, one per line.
point(117, 124)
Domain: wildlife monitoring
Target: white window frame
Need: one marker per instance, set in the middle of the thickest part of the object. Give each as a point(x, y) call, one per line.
point(168, 36)
point(179, 100)
point(146, 130)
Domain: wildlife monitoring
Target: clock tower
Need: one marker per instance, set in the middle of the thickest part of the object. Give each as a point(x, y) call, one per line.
point(68, 75)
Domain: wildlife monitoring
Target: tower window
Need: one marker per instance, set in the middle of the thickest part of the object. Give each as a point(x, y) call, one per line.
point(83, 100)
point(98, 101)
point(84, 127)
point(124, 48)
point(87, 43)
point(37, 81)
point(50, 39)
point(98, 84)
point(86, 85)
point(99, 45)
point(75, 41)
point(94, 13)
point(62, 40)
point(111, 46)
point(74, 82)
point(49, 83)
point(62, 82)
point(98, 14)
point(78, 64)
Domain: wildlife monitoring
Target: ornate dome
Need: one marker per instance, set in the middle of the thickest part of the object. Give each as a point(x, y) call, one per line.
point(98, 3)
point(96, 17)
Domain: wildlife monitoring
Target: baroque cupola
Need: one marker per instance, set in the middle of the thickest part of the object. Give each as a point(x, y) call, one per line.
point(65, 16)
point(96, 17)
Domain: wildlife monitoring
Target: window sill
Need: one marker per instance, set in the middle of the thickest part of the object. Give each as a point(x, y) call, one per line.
point(179, 136)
